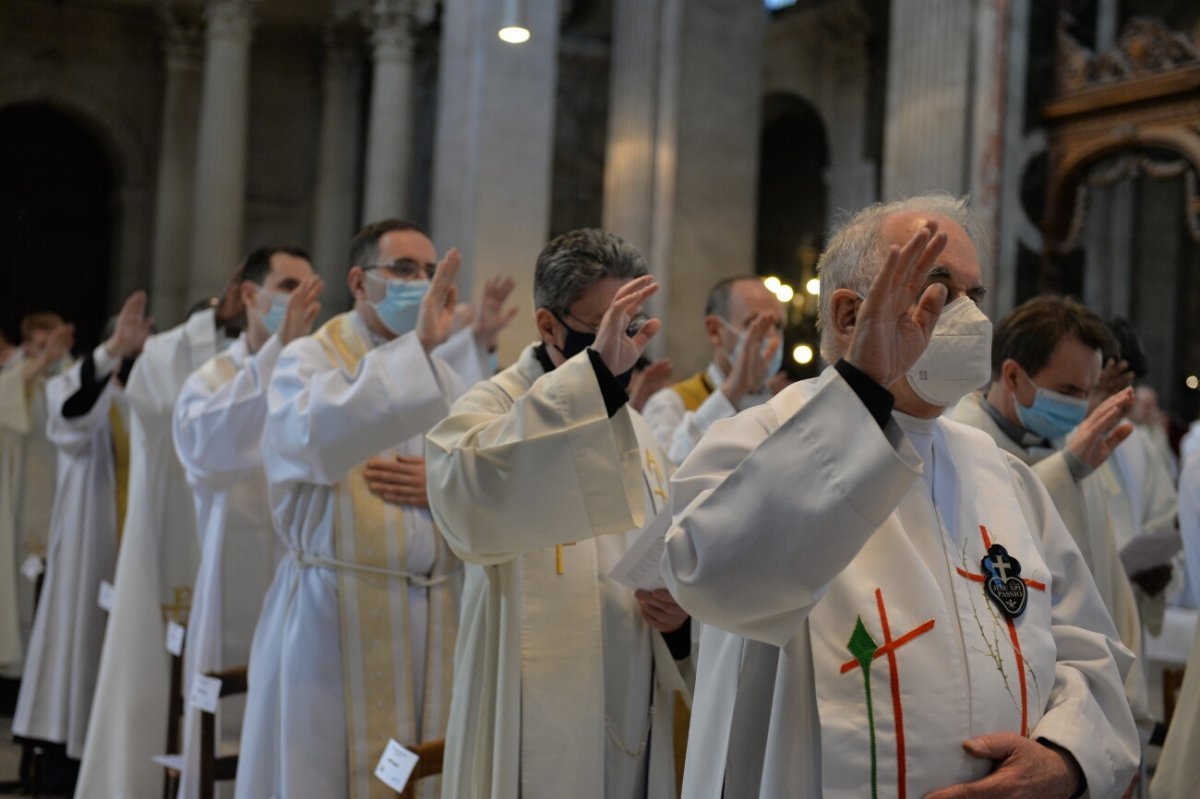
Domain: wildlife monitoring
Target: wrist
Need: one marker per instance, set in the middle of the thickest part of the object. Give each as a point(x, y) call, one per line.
point(1076, 782)
point(732, 391)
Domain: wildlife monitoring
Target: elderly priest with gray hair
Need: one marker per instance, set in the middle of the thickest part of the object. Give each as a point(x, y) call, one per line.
point(910, 617)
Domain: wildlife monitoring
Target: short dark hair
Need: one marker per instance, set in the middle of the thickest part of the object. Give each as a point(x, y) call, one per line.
point(364, 247)
point(1032, 330)
point(257, 264)
point(573, 262)
point(720, 296)
point(1129, 346)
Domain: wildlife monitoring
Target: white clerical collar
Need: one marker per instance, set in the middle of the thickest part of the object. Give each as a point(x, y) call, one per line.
point(914, 426)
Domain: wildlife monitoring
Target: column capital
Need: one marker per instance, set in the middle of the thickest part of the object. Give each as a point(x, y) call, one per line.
point(182, 29)
point(230, 19)
point(391, 24)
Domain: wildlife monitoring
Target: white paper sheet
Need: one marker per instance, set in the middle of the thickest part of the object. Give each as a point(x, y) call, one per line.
point(640, 566)
point(1150, 550)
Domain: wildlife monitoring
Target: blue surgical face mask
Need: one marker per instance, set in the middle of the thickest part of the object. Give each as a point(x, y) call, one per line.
point(776, 360)
point(401, 305)
point(1052, 415)
point(273, 318)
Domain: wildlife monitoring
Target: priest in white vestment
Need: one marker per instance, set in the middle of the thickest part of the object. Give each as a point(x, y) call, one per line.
point(919, 621)
point(156, 566)
point(27, 474)
point(87, 424)
point(538, 479)
point(742, 323)
point(1045, 364)
point(354, 643)
point(218, 426)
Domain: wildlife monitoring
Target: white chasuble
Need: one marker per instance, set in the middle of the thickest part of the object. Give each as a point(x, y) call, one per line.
point(64, 651)
point(857, 650)
point(561, 689)
point(27, 480)
point(354, 644)
point(912, 604)
point(155, 569)
point(218, 427)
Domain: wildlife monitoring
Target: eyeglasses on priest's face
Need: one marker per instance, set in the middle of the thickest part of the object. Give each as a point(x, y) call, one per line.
point(405, 269)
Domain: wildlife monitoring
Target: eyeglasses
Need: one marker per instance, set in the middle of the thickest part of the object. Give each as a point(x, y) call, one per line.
point(635, 324)
point(406, 269)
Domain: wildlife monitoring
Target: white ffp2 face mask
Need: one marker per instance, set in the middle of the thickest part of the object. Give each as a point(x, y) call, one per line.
point(958, 359)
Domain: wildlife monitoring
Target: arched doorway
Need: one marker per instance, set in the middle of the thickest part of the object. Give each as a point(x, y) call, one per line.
point(792, 213)
point(56, 218)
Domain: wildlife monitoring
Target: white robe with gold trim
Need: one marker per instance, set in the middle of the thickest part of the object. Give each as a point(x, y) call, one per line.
point(337, 621)
point(800, 522)
point(155, 570)
point(561, 689)
point(27, 478)
point(64, 651)
point(218, 428)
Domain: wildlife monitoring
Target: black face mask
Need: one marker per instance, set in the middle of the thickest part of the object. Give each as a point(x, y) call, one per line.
point(576, 342)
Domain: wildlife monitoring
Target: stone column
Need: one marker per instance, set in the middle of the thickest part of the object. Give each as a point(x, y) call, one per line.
point(389, 132)
point(495, 143)
point(183, 35)
point(682, 166)
point(337, 180)
point(220, 197)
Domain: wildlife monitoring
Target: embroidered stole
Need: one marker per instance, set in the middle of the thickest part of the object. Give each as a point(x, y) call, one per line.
point(903, 674)
point(370, 546)
point(693, 391)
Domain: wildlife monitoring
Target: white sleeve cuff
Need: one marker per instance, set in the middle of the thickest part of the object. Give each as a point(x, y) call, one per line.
point(105, 364)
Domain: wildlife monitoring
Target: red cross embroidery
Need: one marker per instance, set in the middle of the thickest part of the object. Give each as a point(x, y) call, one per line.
point(1012, 629)
point(890, 645)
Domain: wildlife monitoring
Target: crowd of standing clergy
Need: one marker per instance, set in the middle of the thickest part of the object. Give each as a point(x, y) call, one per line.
point(930, 571)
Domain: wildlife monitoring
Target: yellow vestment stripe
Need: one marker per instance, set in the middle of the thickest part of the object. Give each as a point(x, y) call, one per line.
point(368, 624)
point(693, 391)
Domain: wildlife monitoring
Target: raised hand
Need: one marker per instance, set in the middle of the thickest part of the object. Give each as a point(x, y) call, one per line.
point(1116, 376)
point(435, 320)
point(400, 481)
point(492, 316)
point(749, 371)
point(1103, 430)
point(302, 309)
point(649, 381)
point(132, 329)
point(896, 319)
point(618, 350)
point(1024, 769)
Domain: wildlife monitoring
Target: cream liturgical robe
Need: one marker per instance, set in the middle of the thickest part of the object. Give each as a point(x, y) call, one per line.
point(27, 477)
point(218, 429)
point(1177, 774)
point(155, 569)
point(354, 644)
point(561, 689)
point(64, 651)
point(856, 560)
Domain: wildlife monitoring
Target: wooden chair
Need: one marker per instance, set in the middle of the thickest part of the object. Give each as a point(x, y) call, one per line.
point(174, 745)
point(429, 765)
point(216, 768)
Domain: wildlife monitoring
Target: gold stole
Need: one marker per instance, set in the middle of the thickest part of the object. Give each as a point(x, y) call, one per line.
point(370, 547)
point(120, 443)
point(693, 391)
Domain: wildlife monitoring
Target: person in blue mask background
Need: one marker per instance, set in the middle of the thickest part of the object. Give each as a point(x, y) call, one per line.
point(1047, 359)
point(742, 323)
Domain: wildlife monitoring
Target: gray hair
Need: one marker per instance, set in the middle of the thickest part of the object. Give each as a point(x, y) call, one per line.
point(854, 255)
point(573, 262)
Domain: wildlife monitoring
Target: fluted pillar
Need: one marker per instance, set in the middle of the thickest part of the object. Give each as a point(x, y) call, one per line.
point(337, 184)
point(389, 133)
point(183, 37)
point(220, 197)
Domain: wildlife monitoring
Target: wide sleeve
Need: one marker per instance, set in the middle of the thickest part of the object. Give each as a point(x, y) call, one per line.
point(73, 433)
point(507, 477)
point(1087, 712)
point(464, 356)
point(218, 430)
point(766, 515)
point(321, 421)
